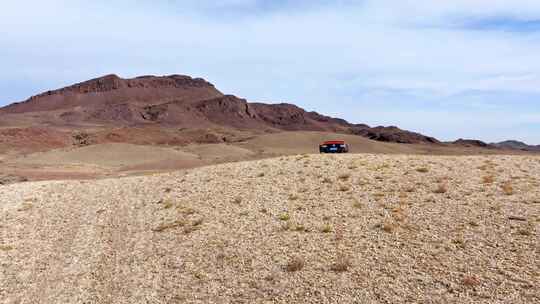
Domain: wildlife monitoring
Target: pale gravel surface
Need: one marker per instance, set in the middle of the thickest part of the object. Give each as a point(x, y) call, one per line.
point(228, 239)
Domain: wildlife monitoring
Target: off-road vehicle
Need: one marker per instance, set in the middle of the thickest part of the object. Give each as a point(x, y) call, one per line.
point(334, 146)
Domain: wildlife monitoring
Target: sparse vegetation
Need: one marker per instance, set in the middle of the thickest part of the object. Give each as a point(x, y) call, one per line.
point(6, 247)
point(342, 263)
point(442, 188)
point(295, 264)
point(344, 188)
point(327, 228)
point(284, 217)
point(166, 226)
point(507, 188)
point(470, 281)
point(488, 179)
point(422, 170)
point(344, 176)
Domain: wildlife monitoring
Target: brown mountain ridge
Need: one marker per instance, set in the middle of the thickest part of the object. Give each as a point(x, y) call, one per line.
point(177, 101)
point(176, 109)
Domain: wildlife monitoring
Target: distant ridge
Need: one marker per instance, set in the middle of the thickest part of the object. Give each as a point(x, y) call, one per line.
point(179, 101)
point(517, 145)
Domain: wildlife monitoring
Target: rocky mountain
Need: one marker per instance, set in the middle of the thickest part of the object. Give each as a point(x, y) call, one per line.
point(472, 143)
point(516, 145)
point(177, 101)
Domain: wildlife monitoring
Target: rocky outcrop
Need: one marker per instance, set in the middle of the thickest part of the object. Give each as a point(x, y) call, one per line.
point(472, 143)
point(393, 134)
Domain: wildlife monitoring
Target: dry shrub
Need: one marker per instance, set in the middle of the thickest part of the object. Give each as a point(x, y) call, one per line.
point(388, 226)
point(422, 170)
point(6, 248)
point(327, 228)
point(344, 188)
point(166, 226)
point(507, 188)
point(442, 188)
point(295, 264)
point(284, 217)
point(357, 204)
point(293, 197)
point(167, 204)
point(488, 179)
point(342, 263)
point(344, 176)
point(25, 206)
point(470, 281)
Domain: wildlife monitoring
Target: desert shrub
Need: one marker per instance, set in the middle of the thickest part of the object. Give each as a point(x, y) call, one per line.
point(388, 227)
point(167, 204)
point(422, 170)
point(166, 226)
point(284, 217)
point(342, 263)
point(442, 188)
point(507, 188)
point(344, 176)
point(327, 228)
point(488, 179)
point(470, 281)
point(344, 188)
point(295, 264)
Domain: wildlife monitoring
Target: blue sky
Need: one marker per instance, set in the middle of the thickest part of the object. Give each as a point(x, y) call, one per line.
point(460, 68)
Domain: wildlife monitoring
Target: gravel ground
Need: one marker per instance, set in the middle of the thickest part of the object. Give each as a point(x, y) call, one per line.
point(298, 229)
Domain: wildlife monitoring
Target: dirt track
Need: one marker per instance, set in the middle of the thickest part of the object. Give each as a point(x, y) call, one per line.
point(367, 228)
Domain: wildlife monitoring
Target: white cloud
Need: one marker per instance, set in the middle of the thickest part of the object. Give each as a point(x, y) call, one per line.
point(327, 57)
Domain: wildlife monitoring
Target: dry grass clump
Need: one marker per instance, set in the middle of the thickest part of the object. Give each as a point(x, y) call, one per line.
point(342, 263)
point(388, 226)
point(422, 170)
point(470, 281)
point(295, 264)
point(344, 176)
point(507, 188)
point(327, 228)
point(284, 217)
point(25, 206)
point(488, 179)
point(167, 204)
point(293, 197)
point(327, 180)
point(344, 188)
point(6, 248)
point(166, 226)
point(441, 189)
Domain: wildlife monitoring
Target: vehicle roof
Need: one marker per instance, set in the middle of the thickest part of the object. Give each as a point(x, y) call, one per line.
point(330, 142)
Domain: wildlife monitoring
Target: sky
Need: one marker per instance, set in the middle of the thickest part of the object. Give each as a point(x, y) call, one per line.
point(449, 69)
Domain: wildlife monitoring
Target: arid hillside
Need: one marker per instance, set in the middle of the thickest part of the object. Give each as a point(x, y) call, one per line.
point(295, 229)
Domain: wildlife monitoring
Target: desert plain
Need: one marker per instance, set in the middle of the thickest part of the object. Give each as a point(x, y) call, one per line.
point(305, 228)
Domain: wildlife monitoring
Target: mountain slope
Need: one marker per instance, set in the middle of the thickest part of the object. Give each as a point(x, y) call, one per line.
point(516, 145)
point(179, 102)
